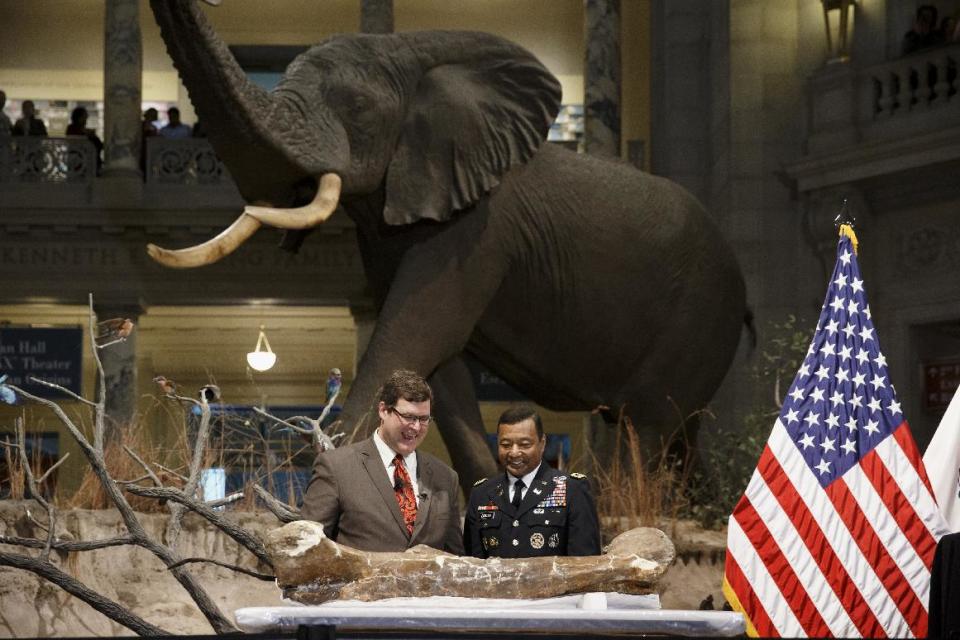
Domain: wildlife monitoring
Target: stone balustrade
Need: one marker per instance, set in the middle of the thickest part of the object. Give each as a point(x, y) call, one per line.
point(924, 79)
point(53, 173)
point(891, 103)
point(31, 160)
point(190, 161)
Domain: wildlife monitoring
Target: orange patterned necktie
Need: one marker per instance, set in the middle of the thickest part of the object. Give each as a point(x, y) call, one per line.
point(404, 492)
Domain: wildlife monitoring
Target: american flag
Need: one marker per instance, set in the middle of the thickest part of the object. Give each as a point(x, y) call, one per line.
point(836, 531)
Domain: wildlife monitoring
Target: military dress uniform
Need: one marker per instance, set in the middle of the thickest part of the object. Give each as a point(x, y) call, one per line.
point(557, 517)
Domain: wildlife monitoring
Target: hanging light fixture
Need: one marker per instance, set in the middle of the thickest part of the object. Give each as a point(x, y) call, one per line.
point(262, 357)
point(838, 20)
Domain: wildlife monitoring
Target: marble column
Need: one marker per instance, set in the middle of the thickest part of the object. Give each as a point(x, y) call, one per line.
point(122, 72)
point(601, 78)
point(376, 16)
point(120, 369)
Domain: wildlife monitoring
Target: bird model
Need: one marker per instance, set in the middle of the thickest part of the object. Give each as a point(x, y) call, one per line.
point(334, 381)
point(114, 329)
point(210, 393)
point(167, 386)
point(7, 394)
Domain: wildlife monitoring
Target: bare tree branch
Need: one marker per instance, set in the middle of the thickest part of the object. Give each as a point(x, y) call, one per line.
point(76, 588)
point(283, 512)
point(246, 539)
point(146, 467)
point(170, 471)
point(100, 411)
point(33, 490)
point(233, 497)
point(56, 464)
point(68, 545)
point(62, 390)
point(206, 605)
point(112, 342)
point(94, 455)
point(36, 523)
point(232, 567)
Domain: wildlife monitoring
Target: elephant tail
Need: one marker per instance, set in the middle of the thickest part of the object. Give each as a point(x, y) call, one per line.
point(751, 328)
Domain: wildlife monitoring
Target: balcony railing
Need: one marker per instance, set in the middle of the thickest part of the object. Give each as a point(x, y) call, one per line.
point(903, 99)
point(53, 173)
point(30, 160)
point(919, 81)
point(184, 162)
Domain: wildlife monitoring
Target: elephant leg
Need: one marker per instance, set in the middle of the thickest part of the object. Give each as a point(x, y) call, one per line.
point(440, 290)
point(458, 419)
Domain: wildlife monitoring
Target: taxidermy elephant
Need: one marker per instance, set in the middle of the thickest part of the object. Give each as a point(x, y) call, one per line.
point(580, 281)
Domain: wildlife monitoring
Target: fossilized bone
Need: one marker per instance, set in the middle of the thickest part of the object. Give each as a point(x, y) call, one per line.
point(312, 569)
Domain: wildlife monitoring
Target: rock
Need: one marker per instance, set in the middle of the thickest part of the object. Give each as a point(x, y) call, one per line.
point(312, 569)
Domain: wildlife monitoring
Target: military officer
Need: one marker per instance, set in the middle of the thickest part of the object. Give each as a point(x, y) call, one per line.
point(531, 509)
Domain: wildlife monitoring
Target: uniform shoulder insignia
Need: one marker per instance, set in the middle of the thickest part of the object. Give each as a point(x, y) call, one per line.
point(578, 476)
point(479, 482)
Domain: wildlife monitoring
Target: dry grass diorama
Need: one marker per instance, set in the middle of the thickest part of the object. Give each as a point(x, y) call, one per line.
point(633, 489)
point(129, 473)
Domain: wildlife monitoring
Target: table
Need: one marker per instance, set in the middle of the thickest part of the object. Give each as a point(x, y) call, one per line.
point(594, 613)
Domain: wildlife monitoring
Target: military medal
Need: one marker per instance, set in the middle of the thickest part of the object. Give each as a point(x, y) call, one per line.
point(554, 540)
point(557, 497)
point(536, 540)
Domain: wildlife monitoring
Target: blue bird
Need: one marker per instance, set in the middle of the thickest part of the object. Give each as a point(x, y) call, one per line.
point(7, 395)
point(334, 380)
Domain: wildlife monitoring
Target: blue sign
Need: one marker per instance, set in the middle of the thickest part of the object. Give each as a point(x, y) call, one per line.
point(53, 355)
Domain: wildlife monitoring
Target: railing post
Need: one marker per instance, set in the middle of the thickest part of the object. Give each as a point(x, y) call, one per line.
point(941, 89)
point(925, 82)
point(890, 88)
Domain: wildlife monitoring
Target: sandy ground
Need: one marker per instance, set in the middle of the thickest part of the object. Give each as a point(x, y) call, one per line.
point(32, 607)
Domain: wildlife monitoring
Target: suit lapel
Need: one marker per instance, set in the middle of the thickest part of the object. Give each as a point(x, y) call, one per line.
point(370, 459)
point(426, 488)
point(501, 496)
point(539, 489)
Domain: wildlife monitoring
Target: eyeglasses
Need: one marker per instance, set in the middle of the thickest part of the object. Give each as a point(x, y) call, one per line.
point(409, 419)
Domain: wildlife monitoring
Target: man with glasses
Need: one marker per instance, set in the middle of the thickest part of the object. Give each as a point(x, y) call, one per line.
point(382, 494)
point(531, 509)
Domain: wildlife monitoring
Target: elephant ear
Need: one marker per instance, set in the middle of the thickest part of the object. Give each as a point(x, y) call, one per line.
point(466, 127)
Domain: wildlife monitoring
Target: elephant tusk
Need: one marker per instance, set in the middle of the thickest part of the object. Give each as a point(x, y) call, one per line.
point(210, 251)
point(322, 207)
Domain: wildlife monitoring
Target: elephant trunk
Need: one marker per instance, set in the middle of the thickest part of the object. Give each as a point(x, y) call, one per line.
point(236, 113)
point(240, 118)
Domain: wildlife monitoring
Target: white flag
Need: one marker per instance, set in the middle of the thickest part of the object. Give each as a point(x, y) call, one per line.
point(942, 461)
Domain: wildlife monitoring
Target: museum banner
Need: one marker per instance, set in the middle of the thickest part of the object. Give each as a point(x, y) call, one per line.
point(52, 354)
point(836, 531)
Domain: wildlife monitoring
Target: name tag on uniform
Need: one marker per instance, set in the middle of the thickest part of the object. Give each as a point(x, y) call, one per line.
point(538, 511)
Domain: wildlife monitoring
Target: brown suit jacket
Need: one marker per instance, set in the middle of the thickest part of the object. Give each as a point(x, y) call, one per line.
point(351, 495)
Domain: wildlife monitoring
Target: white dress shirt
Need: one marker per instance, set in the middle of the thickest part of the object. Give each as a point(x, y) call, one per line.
point(527, 481)
point(410, 462)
